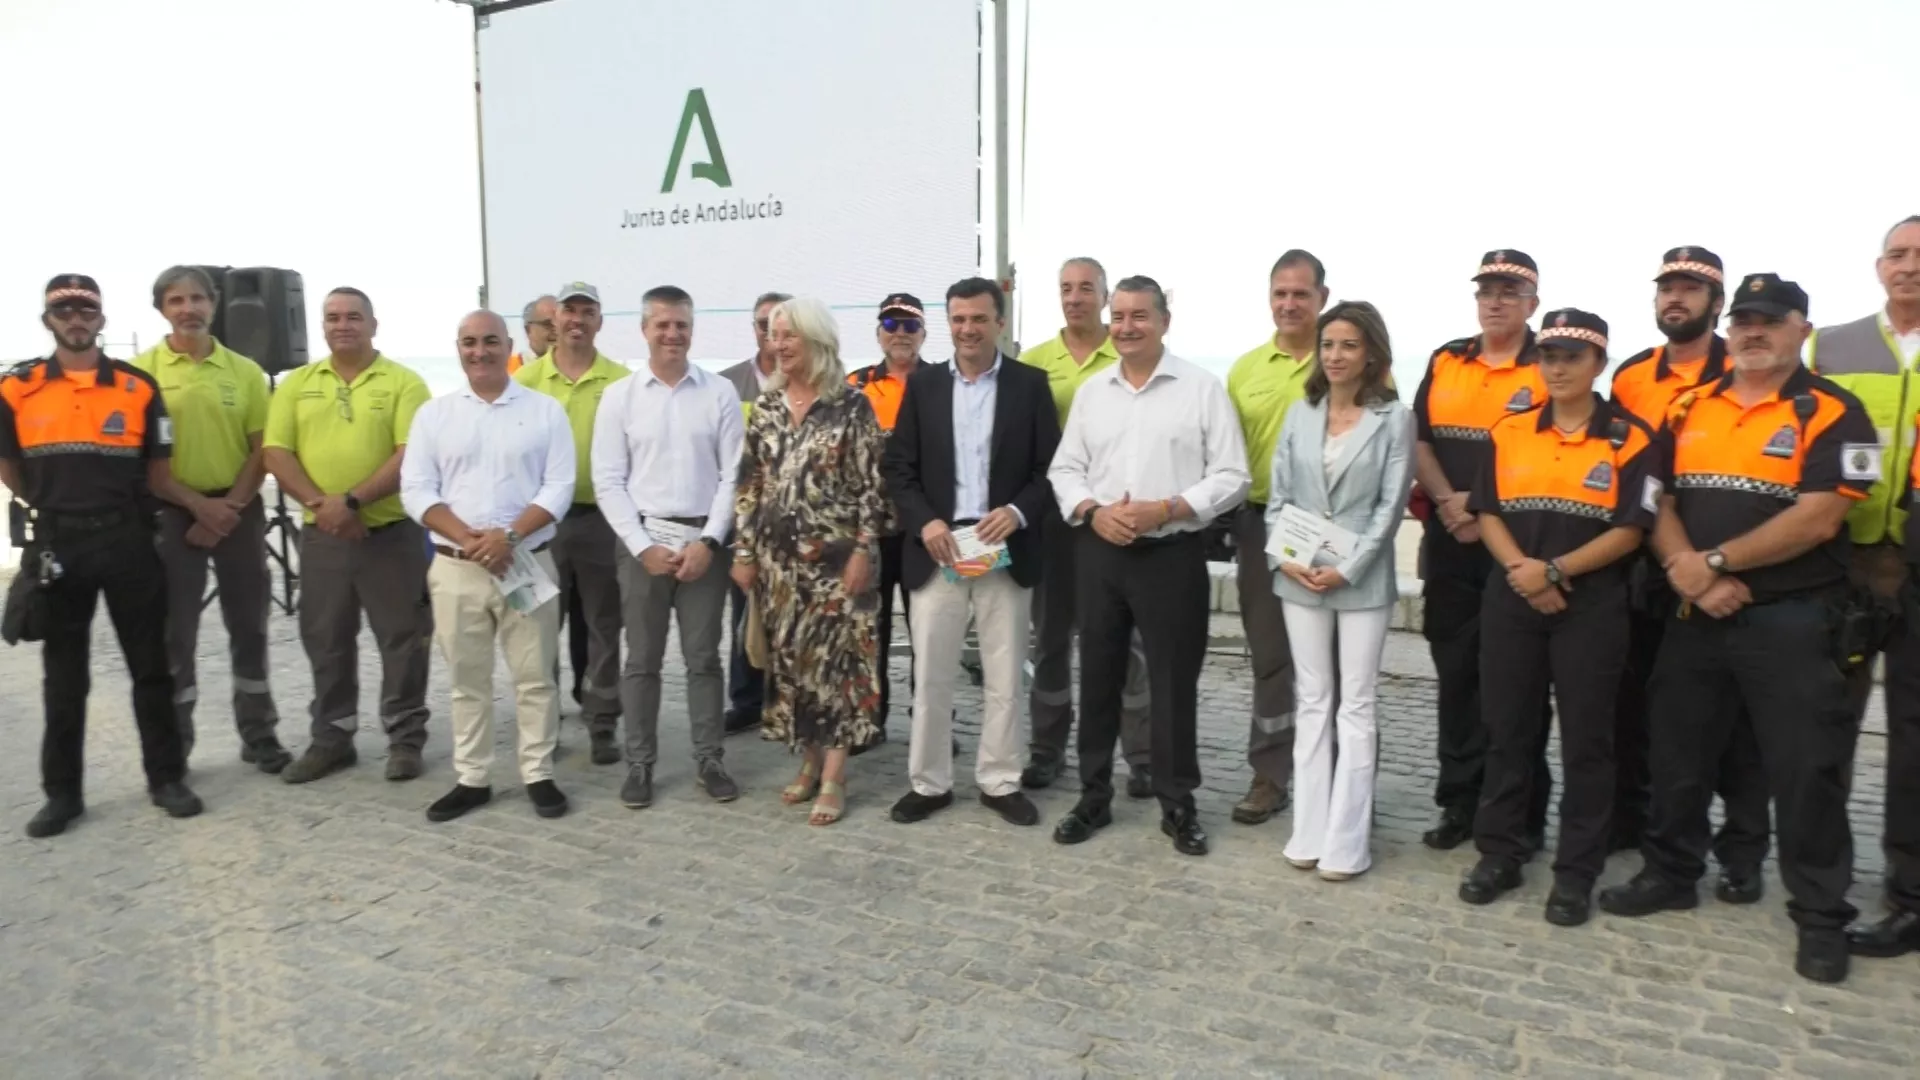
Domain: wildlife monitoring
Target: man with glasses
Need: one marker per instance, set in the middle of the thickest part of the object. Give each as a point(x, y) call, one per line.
point(574, 373)
point(537, 318)
point(902, 330)
point(746, 686)
point(336, 434)
point(83, 440)
point(1470, 384)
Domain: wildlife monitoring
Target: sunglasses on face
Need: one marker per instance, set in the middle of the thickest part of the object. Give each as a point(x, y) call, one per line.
point(900, 326)
point(69, 310)
point(762, 324)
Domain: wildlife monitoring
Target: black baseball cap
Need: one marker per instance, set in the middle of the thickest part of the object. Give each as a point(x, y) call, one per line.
point(1571, 326)
point(1509, 263)
point(1693, 262)
point(902, 303)
point(1768, 294)
point(72, 288)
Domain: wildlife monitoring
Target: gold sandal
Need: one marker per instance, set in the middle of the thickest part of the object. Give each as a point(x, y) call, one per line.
point(803, 788)
point(824, 814)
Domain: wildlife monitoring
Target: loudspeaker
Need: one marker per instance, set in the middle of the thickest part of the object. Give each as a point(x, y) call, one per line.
point(263, 315)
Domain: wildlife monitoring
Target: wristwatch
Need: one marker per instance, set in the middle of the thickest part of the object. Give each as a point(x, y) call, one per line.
point(513, 538)
point(353, 502)
point(1554, 576)
point(712, 544)
point(1717, 561)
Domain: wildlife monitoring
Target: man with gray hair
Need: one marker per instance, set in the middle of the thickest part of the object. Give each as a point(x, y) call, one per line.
point(746, 685)
point(537, 319)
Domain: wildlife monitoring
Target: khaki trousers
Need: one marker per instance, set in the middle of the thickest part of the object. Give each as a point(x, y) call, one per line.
point(469, 616)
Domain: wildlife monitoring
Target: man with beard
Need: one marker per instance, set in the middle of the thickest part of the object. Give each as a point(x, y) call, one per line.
point(1689, 291)
point(1766, 462)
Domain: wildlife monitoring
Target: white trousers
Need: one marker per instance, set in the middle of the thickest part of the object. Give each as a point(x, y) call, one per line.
point(1001, 611)
point(469, 616)
point(1333, 801)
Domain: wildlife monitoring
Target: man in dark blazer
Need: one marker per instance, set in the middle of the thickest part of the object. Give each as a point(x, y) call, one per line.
point(966, 468)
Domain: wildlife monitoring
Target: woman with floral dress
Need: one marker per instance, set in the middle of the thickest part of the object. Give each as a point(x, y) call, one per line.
point(811, 509)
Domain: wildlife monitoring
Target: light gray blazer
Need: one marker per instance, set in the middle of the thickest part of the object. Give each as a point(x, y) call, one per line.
point(1371, 480)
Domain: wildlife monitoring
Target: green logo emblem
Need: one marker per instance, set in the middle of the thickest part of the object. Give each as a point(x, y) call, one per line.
point(715, 167)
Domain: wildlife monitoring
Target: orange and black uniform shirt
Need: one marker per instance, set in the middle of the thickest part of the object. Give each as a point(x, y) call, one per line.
point(1647, 383)
point(884, 390)
point(1735, 467)
point(83, 440)
point(1463, 396)
point(1556, 492)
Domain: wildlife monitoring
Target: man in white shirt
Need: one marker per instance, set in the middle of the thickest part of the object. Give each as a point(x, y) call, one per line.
point(665, 445)
point(1152, 452)
point(746, 686)
point(488, 471)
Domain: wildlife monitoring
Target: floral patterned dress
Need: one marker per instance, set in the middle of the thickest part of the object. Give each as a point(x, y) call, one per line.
point(808, 497)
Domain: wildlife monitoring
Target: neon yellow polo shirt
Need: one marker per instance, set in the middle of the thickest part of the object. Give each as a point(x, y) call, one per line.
point(1264, 384)
point(343, 432)
point(1064, 376)
point(216, 405)
point(581, 399)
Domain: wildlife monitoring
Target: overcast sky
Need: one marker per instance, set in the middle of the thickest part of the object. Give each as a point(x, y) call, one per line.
point(1397, 139)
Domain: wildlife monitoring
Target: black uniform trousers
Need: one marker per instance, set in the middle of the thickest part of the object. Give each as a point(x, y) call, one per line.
point(1456, 579)
point(120, 562)
point(1579, 652)
point(1746, 829)
point(1160, 586)
point(1777, 659)
point(1900, 836)
point(890, 555)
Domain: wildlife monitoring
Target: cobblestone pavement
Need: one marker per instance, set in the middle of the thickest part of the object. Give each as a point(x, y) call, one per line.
point(330, 930)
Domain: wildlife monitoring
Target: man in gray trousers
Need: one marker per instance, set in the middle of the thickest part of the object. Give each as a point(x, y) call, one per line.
point(666, 442)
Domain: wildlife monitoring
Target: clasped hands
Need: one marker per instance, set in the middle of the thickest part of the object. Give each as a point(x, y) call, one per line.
point(1460, 522)
point(690, 563)
point(1717, 594)
point(1123, 522)
point(213, 520)
point(1528, 579)
point(1316, 579)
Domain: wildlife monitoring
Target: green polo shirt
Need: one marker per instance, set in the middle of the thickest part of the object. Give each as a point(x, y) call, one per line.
point(1264, 384)
point(217, 405)
point(581, 399)
point(1064, 376)
point(343, 432)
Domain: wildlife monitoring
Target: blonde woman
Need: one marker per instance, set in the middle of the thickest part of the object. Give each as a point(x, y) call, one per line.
point(811, 510)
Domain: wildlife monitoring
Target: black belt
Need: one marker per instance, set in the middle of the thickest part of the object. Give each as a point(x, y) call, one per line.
point(456, 553)
point(961, 523)
point(689, 522)
point(82, 523)
point(1165, 541)
point(582, 509)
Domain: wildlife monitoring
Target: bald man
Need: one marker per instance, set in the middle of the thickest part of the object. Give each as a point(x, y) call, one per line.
point(488, 471)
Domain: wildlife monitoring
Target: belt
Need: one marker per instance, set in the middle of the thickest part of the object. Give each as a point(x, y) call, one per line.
point(1168, 540)
point(689, 522)
point(456, 553)
point(961, 523)
point(111, 519)
point(582, 509)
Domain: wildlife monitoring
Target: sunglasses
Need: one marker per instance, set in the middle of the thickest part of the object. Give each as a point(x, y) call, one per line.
point(762, 324)
point(900, 326)
point(344, 403)
point(69, 310)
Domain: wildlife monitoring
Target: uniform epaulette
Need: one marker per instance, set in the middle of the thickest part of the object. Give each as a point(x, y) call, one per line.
point(1458, 347)
point(19, 369)
point(1640, 357)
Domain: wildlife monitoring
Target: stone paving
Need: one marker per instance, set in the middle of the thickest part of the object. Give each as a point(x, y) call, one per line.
point(330, 930)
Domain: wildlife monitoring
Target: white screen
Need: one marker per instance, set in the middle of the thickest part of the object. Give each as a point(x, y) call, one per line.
point(858, 117)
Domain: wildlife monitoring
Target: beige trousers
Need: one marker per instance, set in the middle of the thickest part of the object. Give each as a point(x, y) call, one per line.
point(469, 616)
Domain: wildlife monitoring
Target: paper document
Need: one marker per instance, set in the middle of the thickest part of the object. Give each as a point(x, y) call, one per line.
point(976, 556)
point(671, 534)
point(1305, 538)
point(525, 585)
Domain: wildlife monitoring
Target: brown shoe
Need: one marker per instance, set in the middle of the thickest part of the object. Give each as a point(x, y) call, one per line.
point(1262, 802)
point(403, 763)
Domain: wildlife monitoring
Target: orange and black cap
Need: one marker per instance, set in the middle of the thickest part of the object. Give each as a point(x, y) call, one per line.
point(1768, 294)
point(1508, 263)
point(1693, 262)
point(73, 289)
point(1571, 326)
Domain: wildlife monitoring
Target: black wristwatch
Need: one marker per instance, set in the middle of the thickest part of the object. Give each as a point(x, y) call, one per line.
point(712, 544)
point(1555, 577)
point(353, 502)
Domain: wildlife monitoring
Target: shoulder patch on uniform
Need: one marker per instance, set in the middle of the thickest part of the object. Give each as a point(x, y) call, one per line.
point(1783, 444)
point(1600, 477)
point(1860, 461)
point(116, 423)
point(1650, 493)
point(166, 431)
point(1521, 401)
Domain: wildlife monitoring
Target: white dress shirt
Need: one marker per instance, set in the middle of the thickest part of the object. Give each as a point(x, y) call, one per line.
point(667, 451)
point(489, 460)
point(973, 405)
point(1177, 436)
point(1908, 343)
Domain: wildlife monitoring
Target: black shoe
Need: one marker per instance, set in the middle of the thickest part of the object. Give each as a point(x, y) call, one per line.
point(1822, 956)
point(1570, 903)
point(1082, 822)
point(177, 799)
point(1455, 828)
point(1188, 837)
point(861, 748)
point(320, 759)
point(1140, 783)
point(547, 800)
point(1896, 935)
point(53, 818)
point(1740, 885)
point(716, 783)
point(637, 792)
point(914, 806)
point(266, 754)
point(1015, 809)
point(1646, 894)
point(605, 750)
point(739, 720)
point(403, 763)
point(1488, 880)
point(458, 801)
point(1042, 771)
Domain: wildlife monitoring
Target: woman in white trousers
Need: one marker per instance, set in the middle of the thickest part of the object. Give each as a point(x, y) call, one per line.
point(1342, 469)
